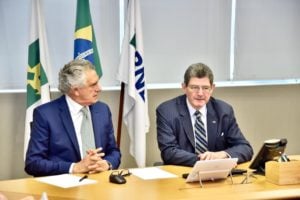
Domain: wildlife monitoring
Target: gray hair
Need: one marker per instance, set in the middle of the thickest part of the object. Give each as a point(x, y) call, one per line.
point(198, 70)
point(73, 74)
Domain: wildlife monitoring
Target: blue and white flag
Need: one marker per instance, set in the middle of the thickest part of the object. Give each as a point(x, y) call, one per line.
point(132, 73)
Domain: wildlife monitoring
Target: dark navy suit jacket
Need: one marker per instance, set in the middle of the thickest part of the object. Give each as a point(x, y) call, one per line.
point(53, 145)
point(176, 138)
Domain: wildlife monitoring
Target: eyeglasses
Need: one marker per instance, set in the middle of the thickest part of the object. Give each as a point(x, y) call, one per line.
point(197, 88)
point(123, 172)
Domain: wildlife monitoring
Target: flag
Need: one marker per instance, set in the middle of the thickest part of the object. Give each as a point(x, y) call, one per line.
point(131, 72)
point(38, 70)
point(85, 46)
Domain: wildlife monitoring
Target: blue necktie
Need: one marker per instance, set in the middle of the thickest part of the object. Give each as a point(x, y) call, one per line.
point(200, 135)
point(87, 133)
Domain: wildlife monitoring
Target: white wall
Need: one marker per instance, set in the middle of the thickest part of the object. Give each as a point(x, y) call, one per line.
point(265, 35)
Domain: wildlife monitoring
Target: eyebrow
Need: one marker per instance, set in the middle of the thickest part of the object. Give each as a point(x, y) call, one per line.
point(94, 83)
point(200, 85)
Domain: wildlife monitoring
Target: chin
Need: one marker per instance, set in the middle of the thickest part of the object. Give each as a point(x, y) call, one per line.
point(198, 106)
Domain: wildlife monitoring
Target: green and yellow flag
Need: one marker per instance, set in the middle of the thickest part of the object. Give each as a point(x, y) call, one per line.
point(38, 89)
point(85, 46)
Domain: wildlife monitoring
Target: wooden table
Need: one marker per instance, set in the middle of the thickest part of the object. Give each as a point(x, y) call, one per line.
point(158, 189)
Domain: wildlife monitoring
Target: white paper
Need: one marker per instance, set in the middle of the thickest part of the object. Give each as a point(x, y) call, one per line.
point(65, 180)
point(149, 173)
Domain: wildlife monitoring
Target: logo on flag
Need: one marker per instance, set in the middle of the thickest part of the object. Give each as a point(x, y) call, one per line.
point(38, 70)
point(131, 73)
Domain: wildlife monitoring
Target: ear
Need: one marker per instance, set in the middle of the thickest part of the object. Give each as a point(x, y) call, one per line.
point(183, 86)
point(74, 91)
point(212, 88)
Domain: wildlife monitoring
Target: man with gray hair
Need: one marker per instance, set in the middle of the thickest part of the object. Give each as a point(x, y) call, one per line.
point(74, 133)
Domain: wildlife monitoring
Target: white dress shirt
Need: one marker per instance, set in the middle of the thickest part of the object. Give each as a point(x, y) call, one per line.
point(203, 112)
point(76, 115)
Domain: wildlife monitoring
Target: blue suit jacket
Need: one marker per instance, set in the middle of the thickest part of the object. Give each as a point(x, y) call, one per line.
point(176, 138)
point(53, 145)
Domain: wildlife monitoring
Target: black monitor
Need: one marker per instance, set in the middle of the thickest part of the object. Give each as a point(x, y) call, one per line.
point(270, 150)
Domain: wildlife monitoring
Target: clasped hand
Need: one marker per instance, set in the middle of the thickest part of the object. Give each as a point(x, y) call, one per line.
point(92, 162)
point(208, 155)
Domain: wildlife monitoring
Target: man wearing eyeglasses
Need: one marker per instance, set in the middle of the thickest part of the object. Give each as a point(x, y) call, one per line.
point(196, 126)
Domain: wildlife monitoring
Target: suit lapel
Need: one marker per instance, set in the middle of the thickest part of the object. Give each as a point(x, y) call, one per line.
point(66, 119)
point(212, 125)
point(96, 120)
point(186, 120)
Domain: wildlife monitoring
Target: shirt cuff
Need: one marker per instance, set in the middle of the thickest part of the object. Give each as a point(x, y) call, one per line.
point(71, 168)
point(110, 165)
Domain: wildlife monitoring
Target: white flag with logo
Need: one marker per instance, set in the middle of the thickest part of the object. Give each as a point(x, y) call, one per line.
point(132, 73)
point(38, 69)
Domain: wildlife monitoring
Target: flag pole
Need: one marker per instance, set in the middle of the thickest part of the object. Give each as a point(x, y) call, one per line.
point(121, 105)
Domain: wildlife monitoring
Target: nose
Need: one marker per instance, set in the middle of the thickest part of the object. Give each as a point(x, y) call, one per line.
point(200, 90)
point(98, 87)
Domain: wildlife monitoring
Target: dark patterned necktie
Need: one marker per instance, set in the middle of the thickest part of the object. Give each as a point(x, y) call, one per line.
point(200, 135)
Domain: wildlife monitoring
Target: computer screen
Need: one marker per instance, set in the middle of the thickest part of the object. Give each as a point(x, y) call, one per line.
point(270, 150)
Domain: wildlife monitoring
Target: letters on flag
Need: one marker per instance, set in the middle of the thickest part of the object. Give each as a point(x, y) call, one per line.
point(132, 73)
point(38, 70)
point(85, 46)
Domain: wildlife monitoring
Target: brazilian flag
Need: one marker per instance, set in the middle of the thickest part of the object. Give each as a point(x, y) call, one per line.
point(85, 46)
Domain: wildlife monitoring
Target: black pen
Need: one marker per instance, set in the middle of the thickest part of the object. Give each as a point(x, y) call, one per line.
point(82, 178)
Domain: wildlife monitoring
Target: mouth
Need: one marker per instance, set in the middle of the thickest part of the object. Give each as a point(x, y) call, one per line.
point(200, 99)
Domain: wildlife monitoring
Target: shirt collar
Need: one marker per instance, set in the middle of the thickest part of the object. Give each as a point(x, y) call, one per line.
point(74, 107)
point(192, 110)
